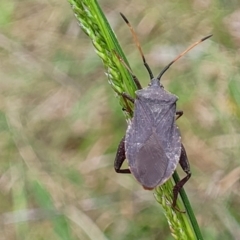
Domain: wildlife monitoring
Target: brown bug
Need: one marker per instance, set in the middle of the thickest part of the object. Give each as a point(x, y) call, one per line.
point(152, 144)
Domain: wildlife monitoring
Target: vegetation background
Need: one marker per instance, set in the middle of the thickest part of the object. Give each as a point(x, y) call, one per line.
point(60, 122)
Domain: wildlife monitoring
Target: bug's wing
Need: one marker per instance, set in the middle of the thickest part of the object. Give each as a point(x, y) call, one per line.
point(151, 165)
point(152, 143)
point(170, 137)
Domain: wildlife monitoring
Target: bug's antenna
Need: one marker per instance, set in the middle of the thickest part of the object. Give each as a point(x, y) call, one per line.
point(138, 45)
point(180, 55)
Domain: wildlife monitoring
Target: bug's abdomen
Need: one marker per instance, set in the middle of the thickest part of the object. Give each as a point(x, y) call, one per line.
point(151, 163)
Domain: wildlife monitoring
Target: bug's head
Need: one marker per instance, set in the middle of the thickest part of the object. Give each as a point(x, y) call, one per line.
point(155, 83)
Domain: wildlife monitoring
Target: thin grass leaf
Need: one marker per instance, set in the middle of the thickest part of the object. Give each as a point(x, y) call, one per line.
point(60, 221)
point(19, 202)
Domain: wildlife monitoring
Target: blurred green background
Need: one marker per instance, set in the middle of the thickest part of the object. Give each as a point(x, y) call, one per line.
point(60, 121)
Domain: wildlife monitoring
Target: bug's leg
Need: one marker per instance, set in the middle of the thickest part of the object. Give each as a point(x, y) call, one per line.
point(135, 79)
point(186, 168)
point(138, 84)
point(120, 158)
point(127, 97)
point(179, 114)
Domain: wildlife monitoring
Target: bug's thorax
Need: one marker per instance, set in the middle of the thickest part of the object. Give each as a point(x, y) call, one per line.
point(155, 92)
